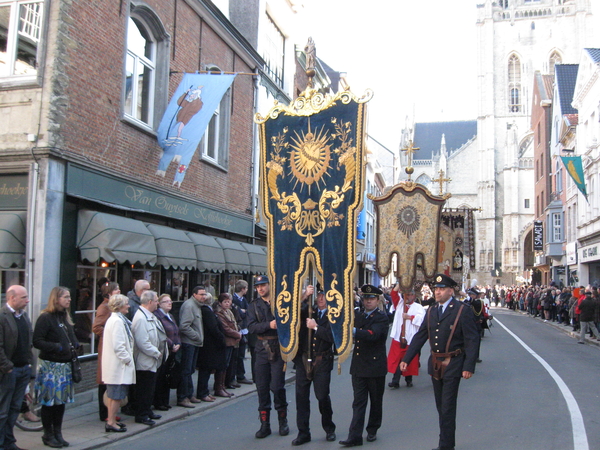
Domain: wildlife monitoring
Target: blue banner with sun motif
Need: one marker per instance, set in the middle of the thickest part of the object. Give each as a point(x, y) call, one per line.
point(312, 173)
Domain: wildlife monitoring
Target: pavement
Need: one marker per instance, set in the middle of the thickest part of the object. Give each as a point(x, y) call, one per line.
point(83, 430)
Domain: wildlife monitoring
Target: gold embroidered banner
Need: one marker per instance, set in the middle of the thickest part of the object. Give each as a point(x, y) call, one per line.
point(408, 219)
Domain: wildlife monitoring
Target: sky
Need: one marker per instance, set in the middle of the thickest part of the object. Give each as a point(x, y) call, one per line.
point(418, 56)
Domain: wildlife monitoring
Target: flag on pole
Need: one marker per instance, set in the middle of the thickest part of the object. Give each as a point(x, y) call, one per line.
point(187, 117)
point(575, 169)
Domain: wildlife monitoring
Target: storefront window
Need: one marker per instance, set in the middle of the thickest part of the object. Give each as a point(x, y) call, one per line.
point(233, 278)
point(152, 276)
point(88, 297)
point(10, 277)
point(178, 286)
point(212, 283)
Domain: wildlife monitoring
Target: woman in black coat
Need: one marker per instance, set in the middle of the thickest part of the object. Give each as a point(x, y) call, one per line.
point(212, 354)
point(54, 336)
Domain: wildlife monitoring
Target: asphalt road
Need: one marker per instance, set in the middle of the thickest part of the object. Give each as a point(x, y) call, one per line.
point(545, 397)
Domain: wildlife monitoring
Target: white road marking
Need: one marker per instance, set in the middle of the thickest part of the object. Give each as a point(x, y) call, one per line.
point(580, 441)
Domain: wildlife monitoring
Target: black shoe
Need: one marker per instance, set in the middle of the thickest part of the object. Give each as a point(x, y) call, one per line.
point(147, 421)
point(330, 436)
point(154, 416)
point(109, 428)
point(162, 408)
point(394, 385)
point(245, 381)
point(351, 443)
point(478, 360)
point(371, 437)
point(301, 439)
point(50, 441)
point(409, 384)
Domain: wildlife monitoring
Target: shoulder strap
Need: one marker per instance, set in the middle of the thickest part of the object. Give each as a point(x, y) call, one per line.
point(462, 305)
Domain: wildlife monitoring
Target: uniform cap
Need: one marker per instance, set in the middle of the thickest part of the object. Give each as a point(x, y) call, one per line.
point(368, 290)
point(441, 280)
point(261, 279)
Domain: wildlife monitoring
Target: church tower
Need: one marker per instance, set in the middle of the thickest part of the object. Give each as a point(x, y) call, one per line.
point(516, 38)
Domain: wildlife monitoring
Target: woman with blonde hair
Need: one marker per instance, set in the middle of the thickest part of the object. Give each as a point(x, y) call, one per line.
point(118, 367)
point(54, 336)
point(107, 290)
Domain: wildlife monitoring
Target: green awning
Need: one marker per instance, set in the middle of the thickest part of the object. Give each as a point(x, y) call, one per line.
point(236, 256)
point(13, 228)
point(173, 247)
point(258, 258)
point(209, 253)
point(114, 238)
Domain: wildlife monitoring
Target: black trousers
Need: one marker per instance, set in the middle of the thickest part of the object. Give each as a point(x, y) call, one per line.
point(270, 377)
point(240, 370)
point(365, 389)
point(162, 392)
point(446, 395)
point(145, 384)
point(320, 381)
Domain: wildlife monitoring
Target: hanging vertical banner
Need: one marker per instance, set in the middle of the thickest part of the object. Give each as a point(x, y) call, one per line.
point(312, 175)
point(538, 235)
point(186, 119)
point(575, 168)
point(408, 219)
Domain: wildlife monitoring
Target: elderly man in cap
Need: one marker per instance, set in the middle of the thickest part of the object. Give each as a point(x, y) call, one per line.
point(453, 337)
point(269, 367)
point(407, 321)
point(368, 367)
point(314, 363)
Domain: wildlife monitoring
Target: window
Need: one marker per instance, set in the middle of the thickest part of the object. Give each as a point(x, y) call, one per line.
point(140, 73)
point(88, 297)
point(555, 59)
point(526, 203)
point(514, 84)
point(556, 227)
point(146, 68)
point(20, 34)
point(274, 51)
point(214, 146)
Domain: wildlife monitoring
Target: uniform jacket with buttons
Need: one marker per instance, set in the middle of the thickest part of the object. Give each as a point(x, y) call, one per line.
point(466, 337)
point(322, 339)
point(369, 358)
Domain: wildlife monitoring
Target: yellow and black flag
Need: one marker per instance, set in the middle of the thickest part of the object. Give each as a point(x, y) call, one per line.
point(312, 176)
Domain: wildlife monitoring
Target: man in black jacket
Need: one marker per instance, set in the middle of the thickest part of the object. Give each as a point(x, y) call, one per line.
point(368, 367)
point(269, 367)
point(454, 339)
point(15, 361)
point(316, 352)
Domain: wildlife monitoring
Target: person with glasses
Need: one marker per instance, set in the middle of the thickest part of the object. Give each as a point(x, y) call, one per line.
point(169, 370)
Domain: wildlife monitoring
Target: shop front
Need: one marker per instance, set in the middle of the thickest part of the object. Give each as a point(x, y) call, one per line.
point(589, 264)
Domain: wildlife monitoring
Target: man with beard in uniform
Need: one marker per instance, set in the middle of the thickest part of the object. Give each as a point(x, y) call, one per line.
point(368, 367)
point(453, 338)
point(319, 344)
point(269, 366)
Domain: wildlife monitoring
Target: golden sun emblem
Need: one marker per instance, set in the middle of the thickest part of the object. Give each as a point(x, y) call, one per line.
point(310, 156)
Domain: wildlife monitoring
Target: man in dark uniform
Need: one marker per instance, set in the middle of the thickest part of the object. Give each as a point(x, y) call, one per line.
point(453, 338)
point(476, 305)
point(316, 343)
point(368, 367)
point(269, 367)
